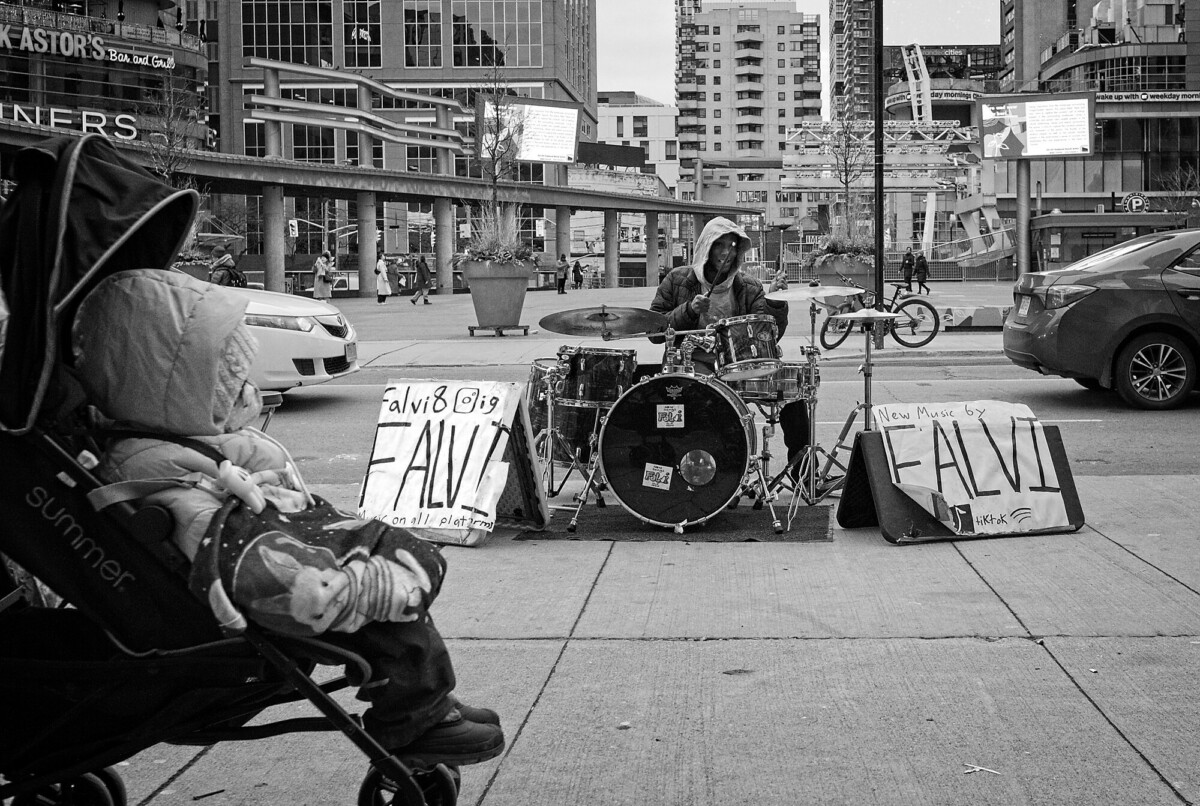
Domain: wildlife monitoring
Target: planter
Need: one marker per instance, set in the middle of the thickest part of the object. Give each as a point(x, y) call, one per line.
point(497, 291)
point(859, 269)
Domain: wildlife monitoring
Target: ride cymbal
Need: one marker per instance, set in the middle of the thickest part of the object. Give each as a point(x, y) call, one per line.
point(598, 321)
point(800, 292)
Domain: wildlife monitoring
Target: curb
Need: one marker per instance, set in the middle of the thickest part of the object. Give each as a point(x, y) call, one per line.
point(984, 317)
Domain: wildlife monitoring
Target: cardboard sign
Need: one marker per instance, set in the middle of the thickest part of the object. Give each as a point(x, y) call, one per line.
point(442, 458)
point(980, 467)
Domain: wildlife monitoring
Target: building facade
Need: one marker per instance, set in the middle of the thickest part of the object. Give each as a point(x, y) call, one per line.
point(747, 74)
point(1142, 59)
point(141, 74)
point(851, 59)
point(543, 49)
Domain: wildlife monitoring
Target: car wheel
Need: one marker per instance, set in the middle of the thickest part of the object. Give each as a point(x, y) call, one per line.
point(1155, 371)
point(1091, 384)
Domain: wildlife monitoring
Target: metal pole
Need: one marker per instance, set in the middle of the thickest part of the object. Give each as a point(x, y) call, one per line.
point(878, 70)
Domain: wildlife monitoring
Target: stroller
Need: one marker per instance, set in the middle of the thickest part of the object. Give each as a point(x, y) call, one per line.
point(132, 659)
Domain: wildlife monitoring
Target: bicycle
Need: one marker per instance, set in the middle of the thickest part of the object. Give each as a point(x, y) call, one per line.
point(917, 324)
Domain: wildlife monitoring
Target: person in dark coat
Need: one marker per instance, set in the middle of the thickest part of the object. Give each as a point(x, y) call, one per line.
point(713, 288)
point(560, 273)
point(422, 282)
point(906, 267)
point(577, 275)
point(921, 273)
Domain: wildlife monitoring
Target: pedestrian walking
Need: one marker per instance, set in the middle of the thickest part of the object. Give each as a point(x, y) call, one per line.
point(383, 286)
point(422, 282)
point(577, 275)
point(560, 273)
point(323, 277)
point(921, 273)
point(224, 270)
point(906, 266)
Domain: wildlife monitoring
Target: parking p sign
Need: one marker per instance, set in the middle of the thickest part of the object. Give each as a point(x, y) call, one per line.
point(1134, 203)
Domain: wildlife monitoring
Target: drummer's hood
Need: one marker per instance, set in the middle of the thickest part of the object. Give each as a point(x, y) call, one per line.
point(713, 230)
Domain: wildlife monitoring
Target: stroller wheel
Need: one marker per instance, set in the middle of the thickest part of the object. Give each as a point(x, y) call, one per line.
point(439, 787)
point(87, 790)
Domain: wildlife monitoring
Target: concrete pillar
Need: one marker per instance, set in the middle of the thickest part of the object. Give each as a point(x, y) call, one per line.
point(562, 231)
point(368, 213)
point(272, 129)
point(651, 236)
point(367, 233)
point(274, 246)
point(612, 248)
point(443, 214)
point(443, 225)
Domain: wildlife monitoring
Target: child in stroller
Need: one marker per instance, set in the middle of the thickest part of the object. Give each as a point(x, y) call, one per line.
point(132, 620)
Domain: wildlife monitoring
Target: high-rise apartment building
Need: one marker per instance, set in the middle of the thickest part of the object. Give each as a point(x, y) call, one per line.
point(851, 59)
point(746, 74)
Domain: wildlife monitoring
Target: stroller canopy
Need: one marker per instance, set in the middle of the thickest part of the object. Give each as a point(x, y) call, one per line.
point(81, 211)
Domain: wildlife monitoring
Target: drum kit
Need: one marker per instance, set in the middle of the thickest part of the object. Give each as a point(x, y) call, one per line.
point(677, 447)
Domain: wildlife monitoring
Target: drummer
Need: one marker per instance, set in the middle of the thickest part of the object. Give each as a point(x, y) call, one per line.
point(713, 288)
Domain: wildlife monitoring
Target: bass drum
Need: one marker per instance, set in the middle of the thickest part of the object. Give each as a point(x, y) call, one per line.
point(675, 448)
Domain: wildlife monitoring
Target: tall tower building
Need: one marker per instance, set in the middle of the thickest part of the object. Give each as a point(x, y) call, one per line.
point(852, 59)
point(1027, 29)
point(747, 73)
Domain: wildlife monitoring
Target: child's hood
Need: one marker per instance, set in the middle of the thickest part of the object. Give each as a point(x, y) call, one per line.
point(166, 352)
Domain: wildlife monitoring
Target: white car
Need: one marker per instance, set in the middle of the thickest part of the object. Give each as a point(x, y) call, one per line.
point(301, 341)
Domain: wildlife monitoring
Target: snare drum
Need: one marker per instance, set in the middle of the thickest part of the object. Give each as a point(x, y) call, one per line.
point(675, 448)
point(791, 382)
point(596, 377)
point(747, 347)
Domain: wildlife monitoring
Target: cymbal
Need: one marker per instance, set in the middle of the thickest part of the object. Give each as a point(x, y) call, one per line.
point(798, 292)
point(867, 315)
point(598, 321)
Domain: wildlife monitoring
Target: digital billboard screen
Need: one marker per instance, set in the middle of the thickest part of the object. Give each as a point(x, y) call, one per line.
point(1037, 125)
point(543, 131)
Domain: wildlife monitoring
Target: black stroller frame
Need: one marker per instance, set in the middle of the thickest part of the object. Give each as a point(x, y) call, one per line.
point(134, 659)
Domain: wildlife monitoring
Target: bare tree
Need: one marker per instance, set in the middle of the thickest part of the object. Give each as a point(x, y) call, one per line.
point(174, 122)
point(849, 147)
point(499, 132)
point(1179, 188)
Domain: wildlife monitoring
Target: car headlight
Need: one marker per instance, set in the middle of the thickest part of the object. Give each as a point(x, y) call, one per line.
point(302, 323)
point(1059, 296)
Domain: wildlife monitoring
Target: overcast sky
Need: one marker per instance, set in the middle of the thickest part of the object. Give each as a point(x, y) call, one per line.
point(636, 38)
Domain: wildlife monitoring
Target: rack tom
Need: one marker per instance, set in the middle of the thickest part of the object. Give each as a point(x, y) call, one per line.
point(747, 347)
point(596, 377)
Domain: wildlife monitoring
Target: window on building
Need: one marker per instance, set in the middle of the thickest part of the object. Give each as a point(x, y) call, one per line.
point(781, 79)
point(299, 31)
point(716, 97)
point(420, 160)
point(490, 33)
point(716, 113)
point(313, 144)
point(620, 126)
point(780, 63)
point(361, 34)
point(782, 96)
point(256, 145)
point(780, 46)
point(716, 64)
point(716, 146)
point(672, 149)
point(716, 30)
point(716, 47)
point(702, 30)
point(780, 29)
point(782, 146)
point(352, 151)
point(422, 33)
point(716, 80)
point(716, 129)
point(782, 113)
point(640, 126)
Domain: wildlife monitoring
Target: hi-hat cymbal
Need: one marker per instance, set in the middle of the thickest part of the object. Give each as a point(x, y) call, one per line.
point(798, 292)
point(598, 321)
point(867, 315)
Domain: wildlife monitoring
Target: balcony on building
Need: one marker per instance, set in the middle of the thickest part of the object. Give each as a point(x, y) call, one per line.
point(751, 70)
point(688, 136)
point(748, 39)
point(750, 116)
point(748, 53)
point(750, 84)
point(687, 85)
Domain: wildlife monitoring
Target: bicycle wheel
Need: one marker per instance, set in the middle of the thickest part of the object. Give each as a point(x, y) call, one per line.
point(834, 332)
point(917, 325)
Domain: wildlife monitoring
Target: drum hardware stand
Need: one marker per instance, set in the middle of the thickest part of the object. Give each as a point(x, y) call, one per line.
point(590, 485)
point(551, 437)
point(868, 317)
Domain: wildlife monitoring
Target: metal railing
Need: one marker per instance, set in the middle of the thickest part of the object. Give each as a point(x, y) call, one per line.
point(62, 21)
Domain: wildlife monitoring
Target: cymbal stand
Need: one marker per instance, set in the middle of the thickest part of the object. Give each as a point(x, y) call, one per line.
point(591, 484)
point(827, 480)
point(755, 481)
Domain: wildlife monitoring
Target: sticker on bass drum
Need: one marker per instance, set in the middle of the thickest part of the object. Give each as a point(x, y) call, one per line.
point(657, 476)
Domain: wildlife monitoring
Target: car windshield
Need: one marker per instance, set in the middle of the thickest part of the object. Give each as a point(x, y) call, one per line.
point(1115, 254)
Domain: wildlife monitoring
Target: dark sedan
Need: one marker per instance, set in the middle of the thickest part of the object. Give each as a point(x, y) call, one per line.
point(1127, 318)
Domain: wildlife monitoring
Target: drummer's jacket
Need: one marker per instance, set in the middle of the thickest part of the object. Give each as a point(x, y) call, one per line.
point(681, 286)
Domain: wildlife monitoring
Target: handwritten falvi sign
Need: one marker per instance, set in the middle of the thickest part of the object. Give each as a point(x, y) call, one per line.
point(438, 458)
point(979, 467)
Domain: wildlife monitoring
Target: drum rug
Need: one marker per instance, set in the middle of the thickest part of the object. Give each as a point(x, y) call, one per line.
point(741, 525)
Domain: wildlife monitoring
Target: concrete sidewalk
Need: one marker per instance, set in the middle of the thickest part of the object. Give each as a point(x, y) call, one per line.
point(1054, 669)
